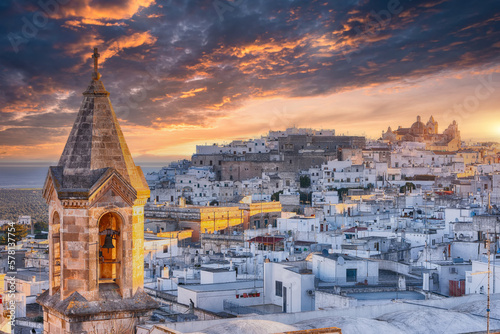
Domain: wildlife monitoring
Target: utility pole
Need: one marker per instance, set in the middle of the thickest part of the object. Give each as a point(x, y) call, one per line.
point(261, 204)
point(489, 273)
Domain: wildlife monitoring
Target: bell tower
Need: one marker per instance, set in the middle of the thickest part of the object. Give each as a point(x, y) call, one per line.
point(96, 196)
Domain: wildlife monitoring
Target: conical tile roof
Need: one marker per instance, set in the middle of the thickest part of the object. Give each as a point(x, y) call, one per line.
point(96, 143)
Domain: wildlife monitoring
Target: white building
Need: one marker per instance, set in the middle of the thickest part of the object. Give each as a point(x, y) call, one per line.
point(289, 285)
point(274, 135)
point(495, 194)
point(325, 197)
point(236, 147)
point(300, 224)
point(25, 220)
point(211, 297)
point(344, 269)
point(156, 248)
point(477, 279)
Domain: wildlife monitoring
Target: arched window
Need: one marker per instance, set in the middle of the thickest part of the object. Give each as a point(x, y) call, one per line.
point(55, 252)
point(110, 248)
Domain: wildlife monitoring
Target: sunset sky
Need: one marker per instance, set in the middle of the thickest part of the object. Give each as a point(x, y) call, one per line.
point(183, 73)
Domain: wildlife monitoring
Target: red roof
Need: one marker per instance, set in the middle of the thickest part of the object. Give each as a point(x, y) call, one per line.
point(444, 192)
point(266, 240)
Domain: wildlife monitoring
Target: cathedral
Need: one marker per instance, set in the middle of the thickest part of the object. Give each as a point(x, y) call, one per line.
point(96, 196)
point(426, 133)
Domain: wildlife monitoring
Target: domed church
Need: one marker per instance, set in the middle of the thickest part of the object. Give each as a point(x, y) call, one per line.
point(427, 133)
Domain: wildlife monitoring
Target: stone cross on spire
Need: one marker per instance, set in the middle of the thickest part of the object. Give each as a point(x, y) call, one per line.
point(96, 74)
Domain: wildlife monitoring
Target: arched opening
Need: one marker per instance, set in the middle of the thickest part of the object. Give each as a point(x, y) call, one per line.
point(110, 248)
point(56, 252)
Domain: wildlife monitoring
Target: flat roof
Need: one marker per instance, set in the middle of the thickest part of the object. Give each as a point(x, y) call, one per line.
point(335, 256)
point(224, 286)
point(26, 274)
point(215, 270)
point(301, 271)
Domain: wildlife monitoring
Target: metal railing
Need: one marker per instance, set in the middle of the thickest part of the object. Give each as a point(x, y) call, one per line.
point(235, 308)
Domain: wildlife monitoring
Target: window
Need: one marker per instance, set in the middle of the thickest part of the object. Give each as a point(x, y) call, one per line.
point(279, 289)
point(165, 248)
point(351, 275)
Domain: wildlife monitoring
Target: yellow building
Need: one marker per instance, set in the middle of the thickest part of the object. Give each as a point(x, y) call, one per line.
point(261, 214)
point(221, 218)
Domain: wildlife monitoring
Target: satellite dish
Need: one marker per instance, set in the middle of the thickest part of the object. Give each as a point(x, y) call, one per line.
point(341, 260)
point(324, 252)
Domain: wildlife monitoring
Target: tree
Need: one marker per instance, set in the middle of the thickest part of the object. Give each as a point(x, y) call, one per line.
point(305, 197)
point(407, 186)
point(342, 192)
point(305, 181)
point(41, 226)
point(276, 196)
point(14, 232)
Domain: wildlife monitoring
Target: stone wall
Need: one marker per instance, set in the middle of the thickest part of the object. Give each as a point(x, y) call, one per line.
point(325, 299)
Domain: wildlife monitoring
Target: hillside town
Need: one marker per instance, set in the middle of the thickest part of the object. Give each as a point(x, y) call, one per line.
point(299, 231)
point(303, 220)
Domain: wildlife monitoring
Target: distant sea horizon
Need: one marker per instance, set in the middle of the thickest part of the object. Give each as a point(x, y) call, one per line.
point(27, 176)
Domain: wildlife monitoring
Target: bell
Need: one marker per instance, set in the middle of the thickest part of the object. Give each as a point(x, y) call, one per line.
point(108, 242)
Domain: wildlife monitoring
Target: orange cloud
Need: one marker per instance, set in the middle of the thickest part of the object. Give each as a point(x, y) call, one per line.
point(225, 100)
point(87, 21)
point(124, 42)
point(192, 92)
point(89, 10)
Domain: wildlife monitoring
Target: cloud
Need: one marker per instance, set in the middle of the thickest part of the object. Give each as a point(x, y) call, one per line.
point(101, 9)
point(177, 65)
point(192, 92)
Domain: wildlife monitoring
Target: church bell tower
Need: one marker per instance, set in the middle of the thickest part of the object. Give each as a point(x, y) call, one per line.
point(96, 196)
